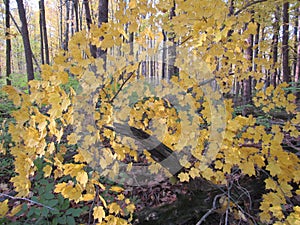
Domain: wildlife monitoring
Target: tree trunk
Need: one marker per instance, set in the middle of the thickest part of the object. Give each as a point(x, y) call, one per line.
point(172, 70)
point(88, 17)
point(102, 18)
point(248, 82)
point(66, 41)
point(295, 42)
point(297, 69)
point(8, 42)
point(76, 7)
point(285, 43)
point(61, 24)
point(45, 36)
point(276, 28)
point(255, 52)
point(164, 55)
point(41, 34)
point(26, 42)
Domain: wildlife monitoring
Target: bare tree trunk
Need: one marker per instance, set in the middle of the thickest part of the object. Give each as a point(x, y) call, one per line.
point(255, 52)
point(164, 55)
point(237, 92)
point(102, 18)
point(80, 7)
point(295, 42)
point(66, 40)
point(297, 69)
point(8, 42)
point(61, 24)
point(44, 31)
point(276, 28)
point(76, 7)
point(172, 70)
point(88, 17)
point(247, 91)
point(41, 34)
point(26, 42)
point(285, 43)
point(72, 10)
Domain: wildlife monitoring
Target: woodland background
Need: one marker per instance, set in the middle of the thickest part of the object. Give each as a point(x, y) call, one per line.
point(65, 62)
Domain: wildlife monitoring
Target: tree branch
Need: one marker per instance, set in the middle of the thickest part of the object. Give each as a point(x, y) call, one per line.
point(248, 5)
point(28, 200)
point(123, 84)
point(211, 210)
point(18, 28)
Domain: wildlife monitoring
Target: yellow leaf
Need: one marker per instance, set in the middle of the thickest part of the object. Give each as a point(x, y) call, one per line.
point(73, 169)
point(114, 208)
point(103, 201)
point(116, 189)
point(194, 172)
point(13, 94)
point(184, 162)
point(123, 33)
point(3, 208)
point(99, 213)
point(121, 197)
point(15, 210)
point(82, 178)
point(184, 177)
point(130, 208)
point(270, 184)
point(252, 28)
point(60, 187)
point(132, 4)
point(51, 147)
point(72, 139)
point(247, 168)
point(88, 197)
point(274, 168)
point(47, 170)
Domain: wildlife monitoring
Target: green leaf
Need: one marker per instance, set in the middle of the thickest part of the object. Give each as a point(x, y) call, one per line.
point(45, 212)
point(37, 211)
point(55, 221)
point(30, 212)
point(70, 220)
point(65, 204)
point(52, 202)
point(62, 220)
point(74, 212)
point(48, 196)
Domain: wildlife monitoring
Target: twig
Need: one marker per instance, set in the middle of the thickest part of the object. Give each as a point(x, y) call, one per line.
point(248, 5)
point(123, 84)
point(28, 200)
point(246, 192)
point(211, 210)
point(228, 201)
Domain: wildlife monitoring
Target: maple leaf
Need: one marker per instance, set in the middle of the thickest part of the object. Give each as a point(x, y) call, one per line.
point(116, 189)
point(15, 210)
point(183, 177)
point(114, 208)
point(3, 208)
point(274, 168)
point(99, 213)
point(82, 178)
point(47, 170)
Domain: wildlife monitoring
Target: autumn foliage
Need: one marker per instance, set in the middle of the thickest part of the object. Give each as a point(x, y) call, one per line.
point(187, 113)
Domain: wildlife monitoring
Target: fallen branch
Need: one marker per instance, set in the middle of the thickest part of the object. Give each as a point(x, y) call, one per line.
point(159, 151)
point(27, 200)
point(214, 207)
